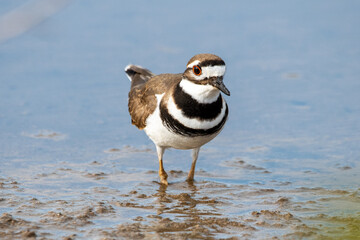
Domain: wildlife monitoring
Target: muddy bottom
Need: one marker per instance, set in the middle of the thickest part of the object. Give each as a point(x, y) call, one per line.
point(94, 201)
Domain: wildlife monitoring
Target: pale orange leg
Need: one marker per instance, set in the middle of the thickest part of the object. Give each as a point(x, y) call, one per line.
point(162, 174)
point(194, 154)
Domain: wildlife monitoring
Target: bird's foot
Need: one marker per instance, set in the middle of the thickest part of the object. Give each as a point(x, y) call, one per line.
point(163, 178)
point(190, 181)
point(190, 178)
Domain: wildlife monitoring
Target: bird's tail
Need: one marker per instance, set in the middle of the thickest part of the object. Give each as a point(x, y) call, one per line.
point(137, 74)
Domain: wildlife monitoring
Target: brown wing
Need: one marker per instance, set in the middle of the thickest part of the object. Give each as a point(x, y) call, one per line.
point(142, 99)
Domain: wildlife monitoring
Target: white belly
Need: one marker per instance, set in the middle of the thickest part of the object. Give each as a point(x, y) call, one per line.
point(162, 137)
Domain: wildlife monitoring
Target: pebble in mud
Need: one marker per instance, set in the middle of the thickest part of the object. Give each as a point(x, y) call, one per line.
point(283, 202)
point(28, 234)
point(276, 215)
point(71, 237)
point(240, 163)
point(103, 208)
point(96, 176)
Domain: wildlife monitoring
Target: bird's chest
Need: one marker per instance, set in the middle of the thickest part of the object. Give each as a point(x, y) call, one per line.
point(183, 123)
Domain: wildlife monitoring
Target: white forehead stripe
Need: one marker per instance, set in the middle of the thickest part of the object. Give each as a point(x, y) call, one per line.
point(190, 65)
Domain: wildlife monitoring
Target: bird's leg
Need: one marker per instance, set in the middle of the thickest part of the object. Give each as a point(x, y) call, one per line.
point(162, 174)
point(194, 154)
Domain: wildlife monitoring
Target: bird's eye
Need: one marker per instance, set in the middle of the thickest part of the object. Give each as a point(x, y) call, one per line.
point(197, 70)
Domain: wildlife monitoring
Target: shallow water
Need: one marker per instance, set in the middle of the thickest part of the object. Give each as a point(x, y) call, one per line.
point(285, 166)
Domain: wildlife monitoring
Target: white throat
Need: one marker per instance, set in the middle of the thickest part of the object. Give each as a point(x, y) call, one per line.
point(201, 93)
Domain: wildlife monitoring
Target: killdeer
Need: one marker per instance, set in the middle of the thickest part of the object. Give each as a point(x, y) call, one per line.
point(182, 111)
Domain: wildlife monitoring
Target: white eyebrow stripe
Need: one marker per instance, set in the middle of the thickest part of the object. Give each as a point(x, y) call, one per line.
point(190, 65)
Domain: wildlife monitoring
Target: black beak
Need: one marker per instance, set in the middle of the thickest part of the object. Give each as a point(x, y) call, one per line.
point(218, 83)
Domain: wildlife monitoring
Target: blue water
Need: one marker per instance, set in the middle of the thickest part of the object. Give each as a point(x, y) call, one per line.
point(292, 68)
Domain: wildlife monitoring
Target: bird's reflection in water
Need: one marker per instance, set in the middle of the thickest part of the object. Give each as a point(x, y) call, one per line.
point(186, 210)
point(183, 198)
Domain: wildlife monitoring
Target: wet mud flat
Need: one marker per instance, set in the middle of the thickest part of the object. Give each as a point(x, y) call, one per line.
point(90, 201)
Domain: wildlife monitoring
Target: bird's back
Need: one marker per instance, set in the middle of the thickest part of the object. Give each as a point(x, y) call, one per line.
point(144, 87)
